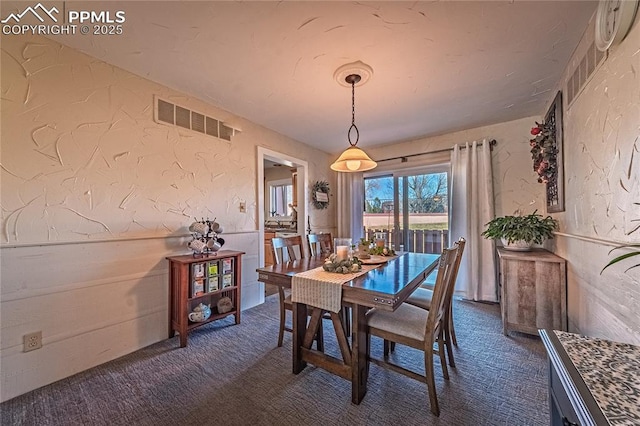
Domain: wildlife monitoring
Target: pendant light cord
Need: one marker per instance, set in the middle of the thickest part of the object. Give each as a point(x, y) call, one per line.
point(353, 115)
point(353, 159)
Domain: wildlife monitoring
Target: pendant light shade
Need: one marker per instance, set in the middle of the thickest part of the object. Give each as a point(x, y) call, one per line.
point(353, 159)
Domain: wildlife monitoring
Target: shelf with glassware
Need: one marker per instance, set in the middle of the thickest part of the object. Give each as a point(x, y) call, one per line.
point(202, 290)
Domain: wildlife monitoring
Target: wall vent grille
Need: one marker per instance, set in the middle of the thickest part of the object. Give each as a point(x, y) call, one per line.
point(587, 66)
point(176, 115)
point(165, 112)
point(183, 117)
point(211, 126)
point(197, 122)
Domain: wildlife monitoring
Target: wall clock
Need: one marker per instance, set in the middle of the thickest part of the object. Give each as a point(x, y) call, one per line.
point(613, 21)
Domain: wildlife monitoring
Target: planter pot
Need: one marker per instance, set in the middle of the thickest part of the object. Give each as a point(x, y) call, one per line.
point(363, 251)
point(520, 245)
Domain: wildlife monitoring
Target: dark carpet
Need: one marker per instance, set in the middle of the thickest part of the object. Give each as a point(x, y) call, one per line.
point(235, 375)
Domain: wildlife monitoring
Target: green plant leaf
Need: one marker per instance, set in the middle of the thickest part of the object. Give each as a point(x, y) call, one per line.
point(623, 257)
point(531, 228)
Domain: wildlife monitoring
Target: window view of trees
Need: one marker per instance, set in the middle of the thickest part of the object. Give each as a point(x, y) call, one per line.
point(421, 214)
point(427, 193)
point(379, 195)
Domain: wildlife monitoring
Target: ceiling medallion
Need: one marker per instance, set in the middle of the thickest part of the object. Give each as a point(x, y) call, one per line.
point(358, 68)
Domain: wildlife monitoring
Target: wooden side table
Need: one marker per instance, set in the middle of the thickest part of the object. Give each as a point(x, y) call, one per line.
point(206, 279)
point(533, 291)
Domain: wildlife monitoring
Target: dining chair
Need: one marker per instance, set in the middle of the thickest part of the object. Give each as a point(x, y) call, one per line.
point(423, 297)
point(320, 244)
point(418, 328)
point(285, 249)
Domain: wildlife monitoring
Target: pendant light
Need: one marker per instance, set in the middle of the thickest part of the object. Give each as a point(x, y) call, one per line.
point(353, 159)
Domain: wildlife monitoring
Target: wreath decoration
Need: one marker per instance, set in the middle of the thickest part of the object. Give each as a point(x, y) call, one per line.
point(346, 266)
point(544, 151)
point(320, 194)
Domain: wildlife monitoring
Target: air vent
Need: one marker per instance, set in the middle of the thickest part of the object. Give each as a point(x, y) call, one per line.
point(587, 66)
point(225, 132)
point(197, 122)
point(165, 112)
point(183, 117)
point(175, 115)
point(212, 127)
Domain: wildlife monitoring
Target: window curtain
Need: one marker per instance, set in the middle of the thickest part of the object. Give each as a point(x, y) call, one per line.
point(350, 206)
point(471, 208)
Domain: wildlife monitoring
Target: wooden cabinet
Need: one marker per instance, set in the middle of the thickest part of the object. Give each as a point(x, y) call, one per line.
point(206, 280)
point(268, 248)
point(533, 291)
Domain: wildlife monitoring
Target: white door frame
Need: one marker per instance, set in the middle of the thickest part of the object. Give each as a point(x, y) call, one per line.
point(301, 193)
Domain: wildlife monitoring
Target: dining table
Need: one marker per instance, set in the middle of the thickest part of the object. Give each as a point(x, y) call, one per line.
point(385, 287)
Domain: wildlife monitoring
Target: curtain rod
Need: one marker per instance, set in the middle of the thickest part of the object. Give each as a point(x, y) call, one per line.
point(492, 143)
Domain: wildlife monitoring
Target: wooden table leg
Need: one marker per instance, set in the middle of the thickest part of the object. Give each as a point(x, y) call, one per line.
point(359, 363)
point(299, 329)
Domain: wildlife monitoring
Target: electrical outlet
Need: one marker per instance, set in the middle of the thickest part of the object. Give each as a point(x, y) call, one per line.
point(32, 341)
point(243, 207)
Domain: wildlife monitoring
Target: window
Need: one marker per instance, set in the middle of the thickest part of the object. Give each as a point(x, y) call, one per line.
point(280, 198)
point(412, 207)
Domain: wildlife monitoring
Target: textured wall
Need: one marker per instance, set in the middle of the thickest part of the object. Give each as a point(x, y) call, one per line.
point(95, 194)
point(83, 159)
point(602, 178)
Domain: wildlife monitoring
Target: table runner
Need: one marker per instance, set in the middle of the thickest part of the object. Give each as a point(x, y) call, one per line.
point(322, 289)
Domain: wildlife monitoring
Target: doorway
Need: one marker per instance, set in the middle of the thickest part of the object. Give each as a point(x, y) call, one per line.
point(298, 169)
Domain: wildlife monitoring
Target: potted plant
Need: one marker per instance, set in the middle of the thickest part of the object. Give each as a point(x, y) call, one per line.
point(363, 248)
point(521, 232)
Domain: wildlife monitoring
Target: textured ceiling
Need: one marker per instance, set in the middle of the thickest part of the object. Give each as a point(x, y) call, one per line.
point(437, 66)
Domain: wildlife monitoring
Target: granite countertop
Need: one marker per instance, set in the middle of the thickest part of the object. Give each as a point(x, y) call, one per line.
point(611, 371)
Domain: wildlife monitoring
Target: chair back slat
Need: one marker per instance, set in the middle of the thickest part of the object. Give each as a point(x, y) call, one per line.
point(441, 290)
point(454, 273)
point(287, 248)
point(320, 244)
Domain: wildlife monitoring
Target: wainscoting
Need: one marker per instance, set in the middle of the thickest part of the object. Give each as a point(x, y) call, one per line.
point(599, 305)
point(93, 302)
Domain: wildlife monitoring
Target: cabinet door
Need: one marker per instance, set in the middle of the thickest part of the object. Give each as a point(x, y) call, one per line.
point(294, 180)
point(268, 248)
point(268, 254)
point(550, 296)
point(533, 295)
